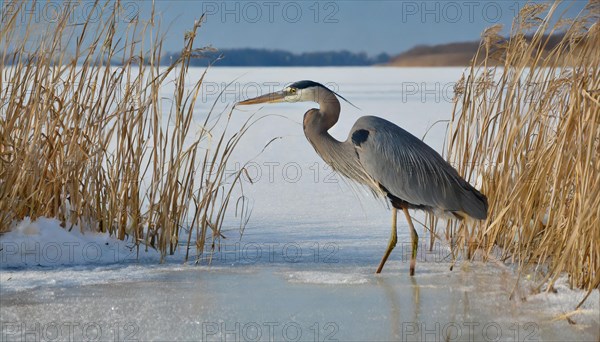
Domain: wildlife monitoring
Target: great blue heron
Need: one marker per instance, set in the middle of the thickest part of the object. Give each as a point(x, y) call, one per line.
point(389, 160)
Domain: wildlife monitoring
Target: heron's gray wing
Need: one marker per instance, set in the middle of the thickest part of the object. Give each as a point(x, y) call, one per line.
point(411, 170)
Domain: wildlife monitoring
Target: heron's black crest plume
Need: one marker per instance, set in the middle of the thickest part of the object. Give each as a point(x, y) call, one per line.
point(308, 84)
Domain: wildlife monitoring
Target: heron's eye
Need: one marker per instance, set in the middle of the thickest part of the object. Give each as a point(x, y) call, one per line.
point(292, 90)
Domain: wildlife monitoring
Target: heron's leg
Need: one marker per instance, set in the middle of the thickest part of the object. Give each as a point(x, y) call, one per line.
point(415, 242)
point(392, 243)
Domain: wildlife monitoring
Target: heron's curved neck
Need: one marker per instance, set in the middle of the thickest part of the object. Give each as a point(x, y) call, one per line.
point(341, 156)
point(317, 122)
point(329, 108)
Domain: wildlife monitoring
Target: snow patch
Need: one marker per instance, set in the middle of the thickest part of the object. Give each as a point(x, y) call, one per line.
point(45, 243)
point(326, 278)
point(563, 301)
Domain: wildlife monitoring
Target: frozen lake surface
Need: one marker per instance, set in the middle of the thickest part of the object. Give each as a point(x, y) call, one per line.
point(293, 302)
point(304, 268)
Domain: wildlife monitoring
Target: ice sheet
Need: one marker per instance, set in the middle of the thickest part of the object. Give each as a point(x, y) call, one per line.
point(305, 263)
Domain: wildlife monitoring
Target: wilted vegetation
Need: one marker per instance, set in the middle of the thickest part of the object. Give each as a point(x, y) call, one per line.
point(528, 131)
point(103, 146)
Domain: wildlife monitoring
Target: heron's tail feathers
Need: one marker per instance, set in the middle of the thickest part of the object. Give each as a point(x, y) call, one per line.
point(473, 202)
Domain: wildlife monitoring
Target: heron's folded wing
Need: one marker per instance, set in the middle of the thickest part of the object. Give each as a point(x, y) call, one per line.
point(408, 168)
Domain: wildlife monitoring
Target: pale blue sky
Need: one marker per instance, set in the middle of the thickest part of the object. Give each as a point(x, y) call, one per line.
point(371, 26)
point(357, 25)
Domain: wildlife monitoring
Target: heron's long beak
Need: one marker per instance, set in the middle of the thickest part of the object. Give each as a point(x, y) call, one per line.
point(267, 98)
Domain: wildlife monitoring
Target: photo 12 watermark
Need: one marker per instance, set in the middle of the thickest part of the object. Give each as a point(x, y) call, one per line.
point(465, 12)
point(235, 12)
point(469, 331)
point(250, 252)
point(279, 172)
point(73, 12)
point(68, 331)
point(233, 92)
point(269, 331)
point(55, 253)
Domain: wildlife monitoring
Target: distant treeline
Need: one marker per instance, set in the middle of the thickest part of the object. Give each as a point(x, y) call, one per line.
point(264, 57)
point(252, 57)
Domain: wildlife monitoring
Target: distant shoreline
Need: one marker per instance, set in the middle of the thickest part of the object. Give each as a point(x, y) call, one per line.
point(457, 54)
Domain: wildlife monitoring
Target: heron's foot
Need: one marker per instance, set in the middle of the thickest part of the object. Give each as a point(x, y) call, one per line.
point(391, 243)
point(383, 260)
point(413, 256)
point(380, 267)
point(388, 251)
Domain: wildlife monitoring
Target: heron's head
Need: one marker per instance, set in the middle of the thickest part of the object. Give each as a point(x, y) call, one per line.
point(301, 91)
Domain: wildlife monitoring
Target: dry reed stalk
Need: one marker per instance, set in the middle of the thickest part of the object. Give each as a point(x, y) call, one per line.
point(87, 142)
point(530, 130)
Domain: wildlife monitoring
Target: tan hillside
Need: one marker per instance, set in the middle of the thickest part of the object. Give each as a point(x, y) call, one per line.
point(461, 54)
